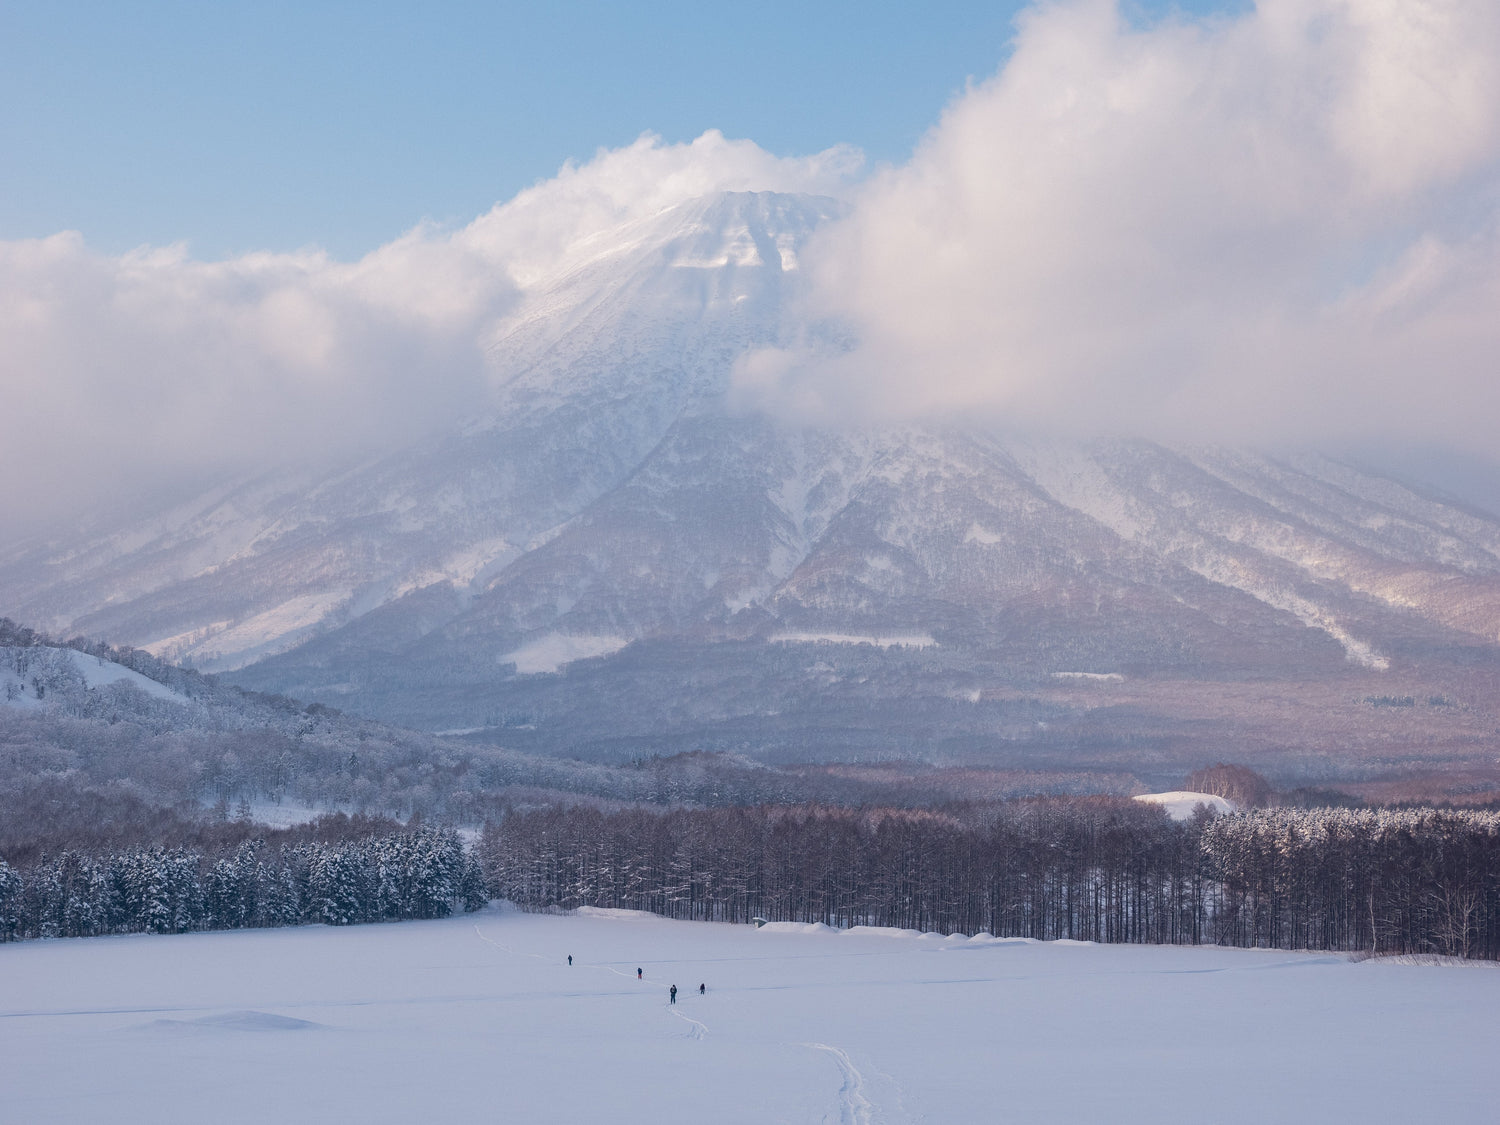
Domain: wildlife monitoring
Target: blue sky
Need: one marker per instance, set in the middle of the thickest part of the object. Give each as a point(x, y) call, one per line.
point(276, 125)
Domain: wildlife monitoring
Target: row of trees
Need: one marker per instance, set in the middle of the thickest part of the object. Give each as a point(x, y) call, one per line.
point(424, 873)
point(1101, 869)
point(1381, 879)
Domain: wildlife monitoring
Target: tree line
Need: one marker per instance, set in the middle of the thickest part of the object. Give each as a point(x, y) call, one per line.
point(1100, 869)
point(420, 873)
point(1397, 880)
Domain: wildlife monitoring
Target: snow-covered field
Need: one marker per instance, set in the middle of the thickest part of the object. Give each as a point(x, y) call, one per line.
point(480, 1018)
point(1181, 803)
point(552, 652)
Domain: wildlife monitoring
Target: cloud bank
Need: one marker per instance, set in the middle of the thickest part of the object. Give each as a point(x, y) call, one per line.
point(1276, 227)
point(124, 374)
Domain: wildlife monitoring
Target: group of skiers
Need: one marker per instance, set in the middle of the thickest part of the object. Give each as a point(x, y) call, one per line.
point(672, 992)
point(639, 975)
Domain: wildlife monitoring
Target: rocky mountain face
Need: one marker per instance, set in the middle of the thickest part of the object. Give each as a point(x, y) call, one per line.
point(615, 563)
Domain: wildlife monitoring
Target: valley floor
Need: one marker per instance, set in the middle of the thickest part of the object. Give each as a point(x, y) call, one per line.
point(480, 1018)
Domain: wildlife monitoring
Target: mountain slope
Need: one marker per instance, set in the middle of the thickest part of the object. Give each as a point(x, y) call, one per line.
point(603, 357)
point(614, 562)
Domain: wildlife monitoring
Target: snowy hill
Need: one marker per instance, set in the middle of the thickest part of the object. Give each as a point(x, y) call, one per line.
point(46, 678)
point(613, 561)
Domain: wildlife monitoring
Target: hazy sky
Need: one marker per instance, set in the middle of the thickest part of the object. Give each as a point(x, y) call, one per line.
point(1271, 224)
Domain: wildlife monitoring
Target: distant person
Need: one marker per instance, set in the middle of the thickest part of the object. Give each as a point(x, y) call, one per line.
point(702, 988)
point(570, 960)
point(674, 994)
point(637, 974)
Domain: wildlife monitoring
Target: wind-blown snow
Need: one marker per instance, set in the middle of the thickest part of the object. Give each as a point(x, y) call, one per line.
point(1180, 803)
point(480, 1018)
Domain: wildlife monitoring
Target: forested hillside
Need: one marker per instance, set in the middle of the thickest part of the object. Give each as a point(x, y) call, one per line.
point(105, 747)
point(90, 735)
point(129, 790)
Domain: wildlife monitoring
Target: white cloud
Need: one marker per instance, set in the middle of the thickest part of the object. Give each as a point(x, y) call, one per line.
point(535, 231)
point(1280, 226)
point(134, 370)
point(128, 372)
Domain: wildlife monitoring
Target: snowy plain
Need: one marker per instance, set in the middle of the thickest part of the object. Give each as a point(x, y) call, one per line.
point(480, 1018)
point(1181, 803)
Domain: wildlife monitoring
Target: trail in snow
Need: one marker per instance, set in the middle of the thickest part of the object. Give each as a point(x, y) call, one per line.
point(505, 948)
point(854, 1107)
point(697, 1028)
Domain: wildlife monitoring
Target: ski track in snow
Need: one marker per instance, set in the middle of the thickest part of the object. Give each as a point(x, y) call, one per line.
point(854, 1107)
point(697, 1029)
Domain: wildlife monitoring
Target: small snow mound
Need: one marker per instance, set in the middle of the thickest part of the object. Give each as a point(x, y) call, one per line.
point(796, 928)
point(614, 912)
point(1430, 960)
point(1180, 803)
point(881, 931)
point(983, 938)
point(1072, 941)
point(256, 1021)
point(238, 1021)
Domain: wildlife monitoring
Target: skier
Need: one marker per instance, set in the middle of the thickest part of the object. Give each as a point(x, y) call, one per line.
point(570, 960)
point(702, 988)
point(674, 994)
point(637, 974)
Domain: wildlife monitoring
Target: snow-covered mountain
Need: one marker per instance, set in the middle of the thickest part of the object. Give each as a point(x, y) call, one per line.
point(614, 561)
point(634, 330)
